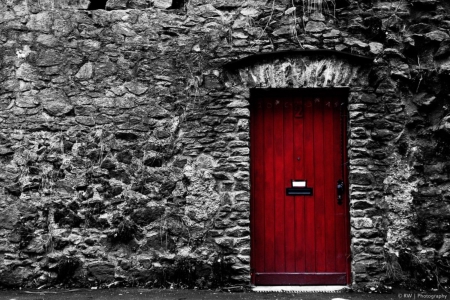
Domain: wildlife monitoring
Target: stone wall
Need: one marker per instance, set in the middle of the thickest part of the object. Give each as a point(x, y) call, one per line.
point(124, 139)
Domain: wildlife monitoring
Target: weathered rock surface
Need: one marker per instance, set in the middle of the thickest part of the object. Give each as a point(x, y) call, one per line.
point(54, 102)
point(124, 135)
point(102, 271)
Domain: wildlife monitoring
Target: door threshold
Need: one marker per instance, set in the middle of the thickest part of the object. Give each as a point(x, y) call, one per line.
point(301, 289)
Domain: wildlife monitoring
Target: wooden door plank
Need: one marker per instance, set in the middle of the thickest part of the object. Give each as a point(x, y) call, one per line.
point(298, 160)
point(269, 180)
point(300, 278)
point(290, 201)
point(330, 185)
point(257, 138)
point(309, 153)
point(319, 167)
point(340, 209)
point(279, 188)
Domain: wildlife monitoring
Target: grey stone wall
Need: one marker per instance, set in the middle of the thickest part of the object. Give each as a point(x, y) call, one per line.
point(124, 142)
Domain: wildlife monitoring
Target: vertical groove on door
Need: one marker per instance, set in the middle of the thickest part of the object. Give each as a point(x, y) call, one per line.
point(308, 142)
point(291, 237)
point(340, 214)
point(269, 186)
point(319, 169)
point(330, 184)
point(258, 184)
point(304, 176)
point(297, 161)
point(279, 185)
point(303, 159)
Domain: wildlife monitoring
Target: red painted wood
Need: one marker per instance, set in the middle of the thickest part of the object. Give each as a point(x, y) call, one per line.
point(290, 202)
point(330, 182)
point(298, 239)
point(300, 278)
point(269, 187)
point(309, 158)
point(319, 177)
point(257, 166)
point(280, 263)
point(340, 215)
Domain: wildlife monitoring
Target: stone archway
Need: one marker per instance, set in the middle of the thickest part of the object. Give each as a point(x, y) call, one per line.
point(301, 69)
point(327, 69)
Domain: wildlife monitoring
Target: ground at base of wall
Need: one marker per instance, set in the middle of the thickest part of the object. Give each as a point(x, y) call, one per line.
point(171, 294)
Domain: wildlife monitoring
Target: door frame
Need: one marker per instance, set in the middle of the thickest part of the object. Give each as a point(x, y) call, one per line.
point(343, 94)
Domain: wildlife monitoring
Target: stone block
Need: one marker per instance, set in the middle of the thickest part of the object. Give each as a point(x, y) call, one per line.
point(355, 42)
point(361, 204)
point(241, 207)
point(83, 120)
point(225, 242)
point(443, 51)
point(41, 21)
point(242, 175)
point(370, 98)
point(234, 144)
point(437, 36)
point(9, 217)
point(359, 133)
point(225, 128)
point(209, 120)
point(102, 271)
point(145, 216)
point(116, 4)
point(359, 268)
point(85, 72)
point(49, 58)
point(241, 112)
point(137, 88)
point(140, 4)
point(27, 72)
point(164, 4)
point(382, 134)
point(355, 115)
point(38, 245)
point(26, 101)
point(424, 99)
point(237, 232)
point(54, 102)
point(15, 278)
point(362, 223)
point(241, 151)
point(361, 177)
point(242, 196)
point(315, 27)
point(376, 48)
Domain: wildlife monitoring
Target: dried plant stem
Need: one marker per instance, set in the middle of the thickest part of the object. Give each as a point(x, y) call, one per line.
point(317, 5)
point(267, 24)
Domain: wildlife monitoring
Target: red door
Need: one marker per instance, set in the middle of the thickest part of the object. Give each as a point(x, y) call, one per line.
point(298, 240)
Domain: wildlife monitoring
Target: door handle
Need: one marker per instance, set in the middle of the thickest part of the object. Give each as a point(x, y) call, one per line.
point(340, 191)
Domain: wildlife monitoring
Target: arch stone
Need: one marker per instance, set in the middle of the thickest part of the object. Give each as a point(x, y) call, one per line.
point(301, 69)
